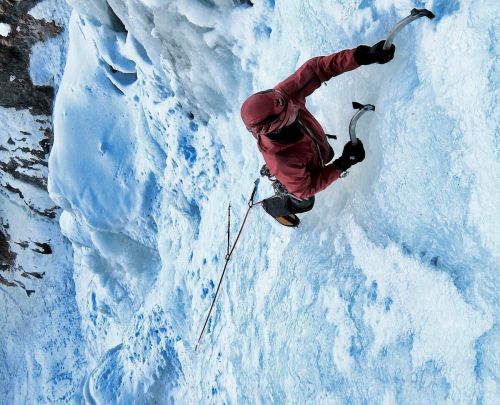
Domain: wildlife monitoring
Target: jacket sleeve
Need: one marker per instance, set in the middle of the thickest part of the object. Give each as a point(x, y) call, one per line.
point(304, 183)
point(316, 71)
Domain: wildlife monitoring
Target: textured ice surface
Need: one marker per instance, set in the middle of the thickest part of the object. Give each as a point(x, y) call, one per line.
point(388, 291)
point(42, 359)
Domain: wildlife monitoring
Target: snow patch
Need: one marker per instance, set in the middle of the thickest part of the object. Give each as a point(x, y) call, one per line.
point(52, 10)
point(5, 29)
point(47, 61)
point(424, 305)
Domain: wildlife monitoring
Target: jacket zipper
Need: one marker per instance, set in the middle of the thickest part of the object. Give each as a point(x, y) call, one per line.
point(316, 142)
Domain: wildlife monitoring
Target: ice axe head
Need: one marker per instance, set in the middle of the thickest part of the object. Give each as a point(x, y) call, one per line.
point(414, 15)
point(359, 106)
point(422, 12)
point(362, 108)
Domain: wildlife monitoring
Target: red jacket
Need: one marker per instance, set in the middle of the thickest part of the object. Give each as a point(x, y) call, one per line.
point(299, 166)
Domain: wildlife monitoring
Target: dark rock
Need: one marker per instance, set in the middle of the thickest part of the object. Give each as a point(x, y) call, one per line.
point(33, 274)
point(7, 256)
point(8, 187)
point(48, 212)
point(6, 282)
point(23, 244)
point(44, 248)
point(12, 167)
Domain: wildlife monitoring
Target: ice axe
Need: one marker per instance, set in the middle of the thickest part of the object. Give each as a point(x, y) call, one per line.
point(362, 108)
point(415, 14)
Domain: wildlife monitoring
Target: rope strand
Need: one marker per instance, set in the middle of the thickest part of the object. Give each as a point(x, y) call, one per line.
point(228, 230)
point(228, 257)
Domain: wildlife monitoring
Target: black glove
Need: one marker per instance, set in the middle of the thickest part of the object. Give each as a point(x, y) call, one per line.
point(366, 55)
point(351, 155)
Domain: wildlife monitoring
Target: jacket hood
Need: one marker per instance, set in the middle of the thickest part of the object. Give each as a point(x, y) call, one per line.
point(266, 111)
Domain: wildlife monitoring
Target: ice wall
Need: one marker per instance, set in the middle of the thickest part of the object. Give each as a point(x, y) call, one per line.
point(386, 294)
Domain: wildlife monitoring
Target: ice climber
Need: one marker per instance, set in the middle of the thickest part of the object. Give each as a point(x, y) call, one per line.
point(292, 141)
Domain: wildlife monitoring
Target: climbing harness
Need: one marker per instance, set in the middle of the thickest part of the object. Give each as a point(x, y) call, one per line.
point(278, 187)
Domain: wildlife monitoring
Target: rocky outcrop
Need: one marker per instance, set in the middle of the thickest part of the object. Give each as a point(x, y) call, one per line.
point(24, 149)
point(17, 89)
point(7, 256)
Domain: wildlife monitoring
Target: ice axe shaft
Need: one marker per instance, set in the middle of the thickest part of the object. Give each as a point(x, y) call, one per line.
point(415, 14)
point(362, 108)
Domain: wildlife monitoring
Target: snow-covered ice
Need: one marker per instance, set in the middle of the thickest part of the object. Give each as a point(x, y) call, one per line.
point(387, 293)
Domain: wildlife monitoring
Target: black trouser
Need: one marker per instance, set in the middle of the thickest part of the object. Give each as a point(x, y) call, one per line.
point(280, 206)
